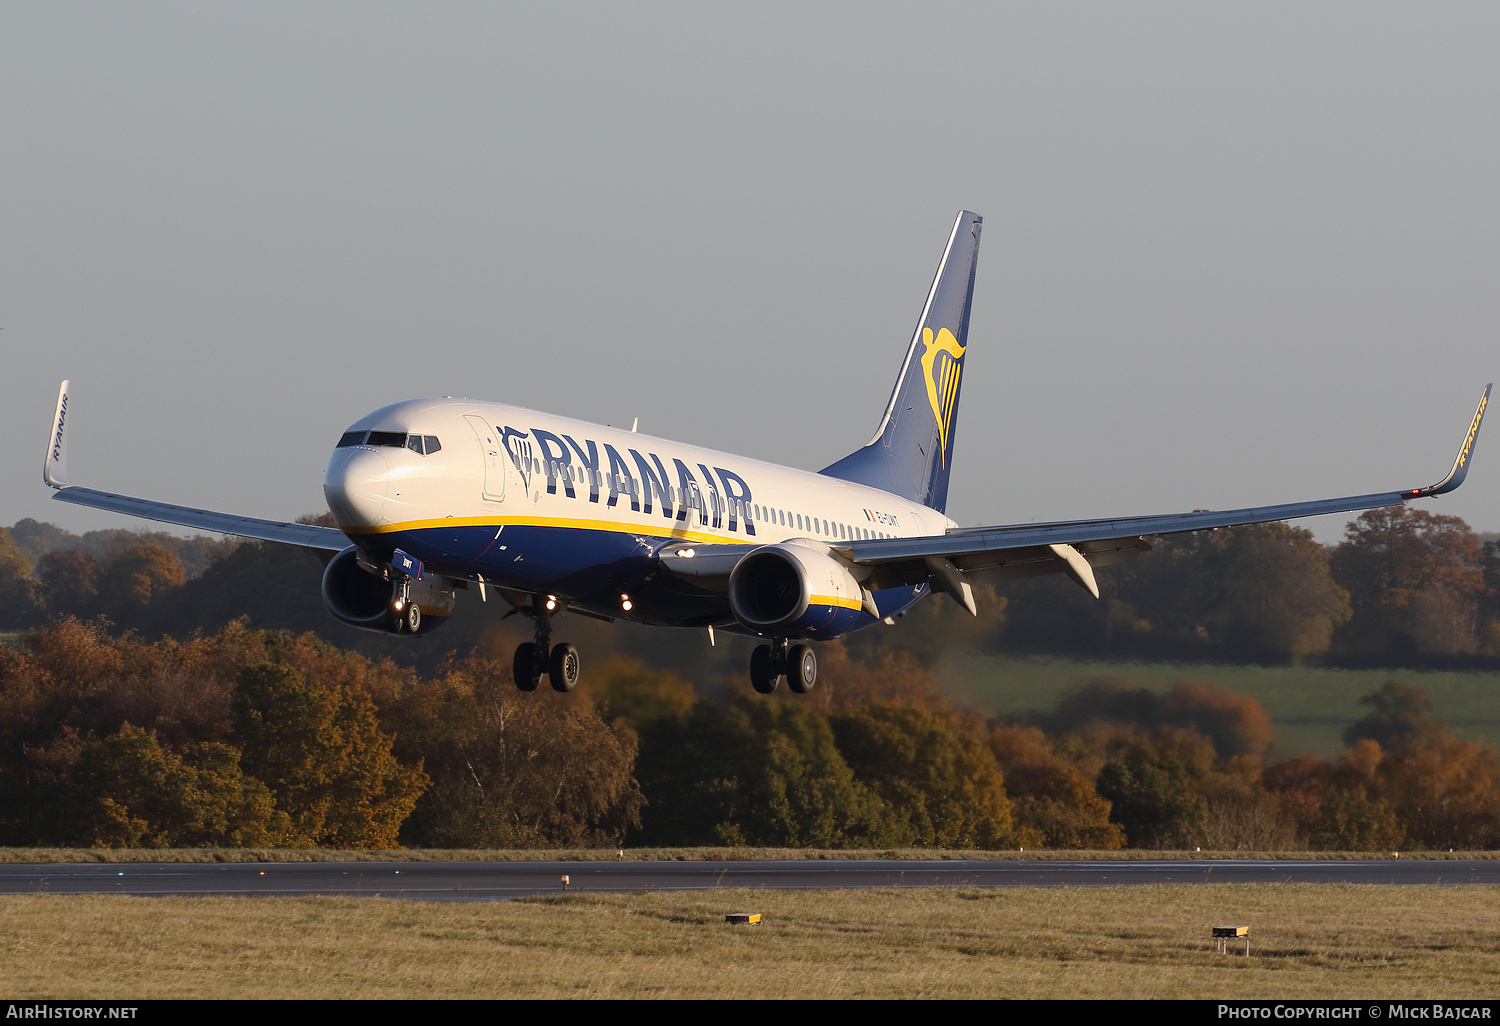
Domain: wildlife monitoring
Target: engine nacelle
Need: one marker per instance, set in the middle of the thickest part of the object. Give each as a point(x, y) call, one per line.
point(786, 591)
point(368, 600)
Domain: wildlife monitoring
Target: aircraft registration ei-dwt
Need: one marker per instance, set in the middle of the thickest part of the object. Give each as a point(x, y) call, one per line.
point(557, 515)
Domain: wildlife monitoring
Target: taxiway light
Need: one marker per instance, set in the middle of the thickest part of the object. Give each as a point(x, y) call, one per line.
point(399, 604)
point(551, 602)
point(565, 883)
point(625, 603)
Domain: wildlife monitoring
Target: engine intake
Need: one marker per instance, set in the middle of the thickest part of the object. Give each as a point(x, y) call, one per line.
point(793, 591)
point(360, 598)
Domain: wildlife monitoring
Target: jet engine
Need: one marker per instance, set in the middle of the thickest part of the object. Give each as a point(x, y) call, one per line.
point(382, 599)
point(794, 591)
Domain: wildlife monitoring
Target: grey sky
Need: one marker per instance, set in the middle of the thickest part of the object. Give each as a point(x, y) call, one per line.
point(1233, 254)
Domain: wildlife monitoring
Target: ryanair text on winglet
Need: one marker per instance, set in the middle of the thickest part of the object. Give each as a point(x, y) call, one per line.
point(57, 436)
point(1463, 457)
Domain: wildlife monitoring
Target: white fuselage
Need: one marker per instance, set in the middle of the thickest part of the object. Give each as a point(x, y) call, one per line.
point(531, 501)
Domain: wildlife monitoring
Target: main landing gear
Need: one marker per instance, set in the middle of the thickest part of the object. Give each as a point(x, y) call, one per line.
point(534, 658)
point(768, 663)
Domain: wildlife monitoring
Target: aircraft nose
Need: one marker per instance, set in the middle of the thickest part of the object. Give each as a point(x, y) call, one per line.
point(355, 485)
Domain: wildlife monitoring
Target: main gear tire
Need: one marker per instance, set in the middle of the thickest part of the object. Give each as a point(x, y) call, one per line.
point(524, 667)
point(801, 669)
point(764, 673)
point(563, 667)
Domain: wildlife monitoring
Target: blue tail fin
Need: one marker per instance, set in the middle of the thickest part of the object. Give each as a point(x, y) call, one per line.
point(912, 450)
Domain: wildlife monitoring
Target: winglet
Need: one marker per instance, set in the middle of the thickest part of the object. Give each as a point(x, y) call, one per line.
point(1461, 463)
point(55, 467)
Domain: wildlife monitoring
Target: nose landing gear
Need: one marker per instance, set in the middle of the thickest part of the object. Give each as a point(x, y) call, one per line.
point(559, 662)
point(768, 663)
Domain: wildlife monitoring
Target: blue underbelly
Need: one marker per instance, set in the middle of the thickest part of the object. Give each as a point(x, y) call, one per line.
point(595, 568)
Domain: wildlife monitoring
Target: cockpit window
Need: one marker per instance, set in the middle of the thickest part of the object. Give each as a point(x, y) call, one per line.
point(422, 445)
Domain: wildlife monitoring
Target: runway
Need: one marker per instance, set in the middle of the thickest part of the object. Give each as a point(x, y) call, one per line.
point(492, 881)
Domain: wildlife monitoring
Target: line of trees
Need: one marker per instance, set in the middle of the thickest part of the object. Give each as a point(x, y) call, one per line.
point(1404, 588)
point(264, 738)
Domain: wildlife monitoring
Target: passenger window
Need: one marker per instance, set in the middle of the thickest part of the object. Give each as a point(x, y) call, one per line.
point(351, 438)
point(433, 445)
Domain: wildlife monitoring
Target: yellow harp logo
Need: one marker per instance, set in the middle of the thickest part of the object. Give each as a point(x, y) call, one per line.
point(940, 369)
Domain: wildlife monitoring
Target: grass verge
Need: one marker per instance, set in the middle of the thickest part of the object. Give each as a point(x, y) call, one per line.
point(1307, 941)
point(37, 855)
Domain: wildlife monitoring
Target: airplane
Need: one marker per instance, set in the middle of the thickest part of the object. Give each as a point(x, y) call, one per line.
point(554, 515)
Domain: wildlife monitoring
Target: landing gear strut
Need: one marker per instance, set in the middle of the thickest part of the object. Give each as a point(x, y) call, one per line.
point(559, 662)
point(404, 613)
point(768, 663)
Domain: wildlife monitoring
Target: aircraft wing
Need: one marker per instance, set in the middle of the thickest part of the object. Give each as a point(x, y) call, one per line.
point(1075, 547)
point(55, 473)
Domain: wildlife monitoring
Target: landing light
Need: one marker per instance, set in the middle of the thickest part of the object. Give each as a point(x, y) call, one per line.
point(686, 553)
point(551, 603)
point(625, 603)
point(399, 604)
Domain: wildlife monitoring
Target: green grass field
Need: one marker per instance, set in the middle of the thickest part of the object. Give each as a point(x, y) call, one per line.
point(1310, 707)
point(1307, 941)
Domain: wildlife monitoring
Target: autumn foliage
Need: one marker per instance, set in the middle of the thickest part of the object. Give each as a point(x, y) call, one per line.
point(220, 734)
point(263, 738)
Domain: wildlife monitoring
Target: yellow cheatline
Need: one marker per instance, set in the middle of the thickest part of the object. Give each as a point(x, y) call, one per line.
point(675, 533)
point(835, 600)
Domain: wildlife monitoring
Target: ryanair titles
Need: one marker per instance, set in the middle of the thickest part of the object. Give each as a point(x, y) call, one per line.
point(718, 498)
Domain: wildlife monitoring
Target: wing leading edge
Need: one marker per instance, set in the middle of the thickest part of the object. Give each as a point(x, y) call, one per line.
point(1024, 550)
point(55, 473)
